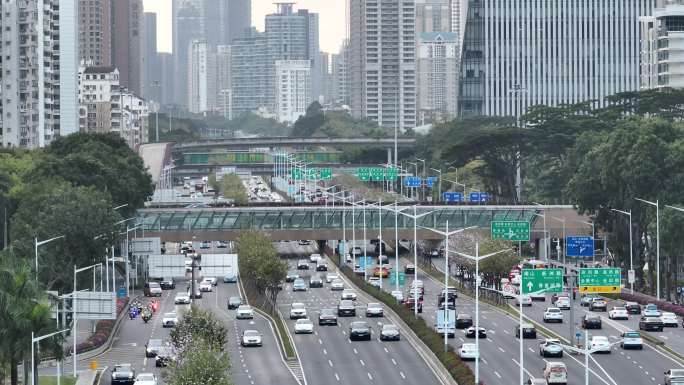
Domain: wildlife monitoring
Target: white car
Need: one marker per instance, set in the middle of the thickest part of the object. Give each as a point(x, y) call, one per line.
point(618, 312)
point(468, 352)
point(206, 286)
point(211, 280)
point(563, 303)
point(146, 379)
point(374, 281)
point(600, 343)
point(331, 277)
point(374, 309)
point(251, 338)
point(556, 373)
point(349, 294)
point(303, 326)
point(553, 314)
point(313, 258)
point(244, 312)
point(669, 319)
point(398, 295)
point(297, 310)
point(181, 299)
point(632, 339)
point(525, 299)
point(169, 320)
point(337, 284)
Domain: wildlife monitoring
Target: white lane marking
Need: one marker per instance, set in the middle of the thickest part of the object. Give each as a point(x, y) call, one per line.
point(402, 375)
point(497, 374)
point(526, 371)
point(370, 377)
point(337, 377)
point(325, 352)
point(330, 363)
point(484, 361)
point(356, 351)
point(501, 349)
point(386, 350)
point(394, 362)
point(362, 363)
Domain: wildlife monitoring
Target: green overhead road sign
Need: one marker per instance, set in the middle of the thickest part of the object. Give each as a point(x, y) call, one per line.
point(377, 174)
point(541, 280)
point(511, 230)
point(312, 173)
point(325, 174)
point(601, 280)
point(393, 278)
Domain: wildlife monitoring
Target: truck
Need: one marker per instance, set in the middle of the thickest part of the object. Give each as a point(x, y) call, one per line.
point(446, 322)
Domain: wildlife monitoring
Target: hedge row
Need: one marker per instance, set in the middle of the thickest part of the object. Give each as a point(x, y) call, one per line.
point(459, 370)
point(103, 329)
point(644, 299)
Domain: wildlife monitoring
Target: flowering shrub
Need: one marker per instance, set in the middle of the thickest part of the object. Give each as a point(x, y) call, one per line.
point(644, 299)
point(103, 329)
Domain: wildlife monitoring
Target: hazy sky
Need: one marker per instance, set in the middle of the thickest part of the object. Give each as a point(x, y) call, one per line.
point(332, 19)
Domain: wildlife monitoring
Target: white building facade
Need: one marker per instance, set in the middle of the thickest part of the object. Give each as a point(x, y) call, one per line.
point(521, 53)
point(382, 62)
point(201, 78)
point(106, 106)
point(437, 76)
point(293, 89)
point(662, 47)
point(38, 71)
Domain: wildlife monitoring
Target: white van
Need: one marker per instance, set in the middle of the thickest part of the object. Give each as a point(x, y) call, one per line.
point(556, 373)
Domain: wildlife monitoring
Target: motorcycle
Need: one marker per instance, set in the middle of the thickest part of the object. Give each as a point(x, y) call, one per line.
point(133, 312)
point(146, 316)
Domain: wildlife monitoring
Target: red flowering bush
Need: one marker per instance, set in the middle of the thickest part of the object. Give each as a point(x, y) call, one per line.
point(103, 329)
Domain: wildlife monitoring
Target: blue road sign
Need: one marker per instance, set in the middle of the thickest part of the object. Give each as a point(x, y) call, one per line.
point(363, 261)
point(430, 181)
point(412, 181)
point(452, 196)
point(481, 197)
point(580, 246)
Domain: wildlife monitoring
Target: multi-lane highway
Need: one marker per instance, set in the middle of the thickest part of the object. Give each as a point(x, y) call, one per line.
point(329, 356)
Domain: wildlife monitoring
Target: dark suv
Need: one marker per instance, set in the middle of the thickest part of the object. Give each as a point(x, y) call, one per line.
point(346, 308)
point(591, 322)
point(651, 323)
point(359, 331)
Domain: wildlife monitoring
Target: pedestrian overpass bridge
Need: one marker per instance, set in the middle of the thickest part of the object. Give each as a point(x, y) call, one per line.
point(320, 222)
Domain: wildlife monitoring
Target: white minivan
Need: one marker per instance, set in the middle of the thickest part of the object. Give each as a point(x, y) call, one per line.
point(556, 373)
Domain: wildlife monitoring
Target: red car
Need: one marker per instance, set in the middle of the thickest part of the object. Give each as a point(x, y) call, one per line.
point(410, 302)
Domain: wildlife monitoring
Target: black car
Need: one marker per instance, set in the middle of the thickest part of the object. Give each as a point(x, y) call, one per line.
point(470, 332)
point(164, 358)
point(591, 322)
point(234, 302)
point(123, 374)
point(291, 277)
point(632, 307)
point(463, 321)
point(528, 331)
point(359, 331)
point(651, 323)
point(450, 293)
point(153, 347)
point(302, 264)
point(346, 308)
point(327, 317)
point(315, 282)
point(167, 284)
point(451, 303)
point(409, 269)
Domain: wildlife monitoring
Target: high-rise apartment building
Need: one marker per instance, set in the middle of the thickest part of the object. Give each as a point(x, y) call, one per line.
point(187, 26)
point(128, 48)
point(292, 89)
point(252, 73)
point(662, 47)
point(105, 106)
point(168, 77)
point(38, 71)
point(152, 76)
point(437, 76)
point(520, 53)
point(201, 78)
point(433, 16)
point(95, 31)
point(340, 76)
point(383, 61)
point(225, 20)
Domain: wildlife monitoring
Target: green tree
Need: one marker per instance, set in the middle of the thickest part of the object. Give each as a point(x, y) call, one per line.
point(497, 266)
point(199, 364)
point(232, 188)
point(83, 215)
point(103, 161)
point(308, 124)
point(198, 325)
point(23, 309)
point(261, 269)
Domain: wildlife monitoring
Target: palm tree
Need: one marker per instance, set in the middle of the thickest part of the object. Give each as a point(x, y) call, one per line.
point(23, 310)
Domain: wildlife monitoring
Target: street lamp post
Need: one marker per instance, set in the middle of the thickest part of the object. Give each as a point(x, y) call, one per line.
point(631, 265)
point(657, 206)
point(546, 240)
point(459, 184)
point(422, 184)
point(416, 174)
point(415, 218)
point(396, 211)
point(40, 243)
point(34, 340)
point(446, 235)
point(477, 258)
point(439, 197)
point(75, 309)
point(558, 247)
